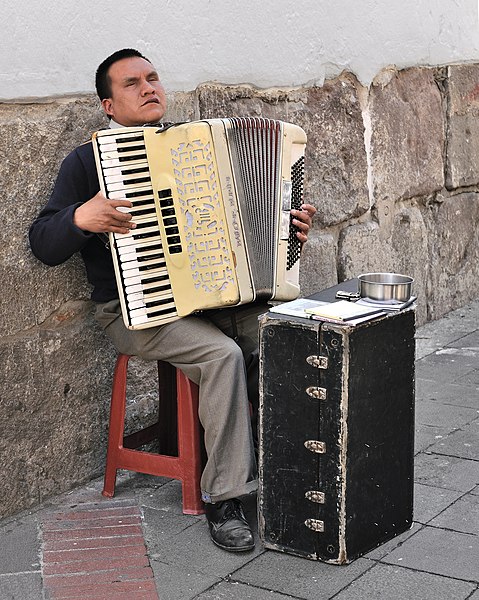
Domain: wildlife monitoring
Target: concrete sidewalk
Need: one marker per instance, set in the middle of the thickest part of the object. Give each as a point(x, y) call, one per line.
point(139, 545)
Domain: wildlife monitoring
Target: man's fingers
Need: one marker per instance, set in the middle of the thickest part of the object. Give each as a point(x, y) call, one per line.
point(122, 216)
point(119, 229)
point(123, 209)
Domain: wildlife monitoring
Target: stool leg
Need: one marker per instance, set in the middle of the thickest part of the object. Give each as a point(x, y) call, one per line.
point(167, 410)
point(117, 424)
point(189, 444)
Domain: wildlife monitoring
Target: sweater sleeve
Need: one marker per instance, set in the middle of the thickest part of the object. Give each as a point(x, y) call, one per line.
point(54, 237)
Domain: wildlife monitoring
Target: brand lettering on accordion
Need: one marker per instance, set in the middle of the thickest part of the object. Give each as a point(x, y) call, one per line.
point(211, 203)
point(234, 213)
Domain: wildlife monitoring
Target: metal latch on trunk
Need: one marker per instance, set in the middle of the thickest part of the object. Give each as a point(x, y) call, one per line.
point(315, 446)
point(320, 362)
point(315, 496)
point(315, 525)
point(316, 392)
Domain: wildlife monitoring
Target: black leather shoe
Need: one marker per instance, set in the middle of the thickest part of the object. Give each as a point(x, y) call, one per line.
point(229, 528)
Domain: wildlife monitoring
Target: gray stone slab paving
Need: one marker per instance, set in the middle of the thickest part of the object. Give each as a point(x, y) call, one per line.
point(439, 551)
point(445, 367)
point(437, 414)
point(299, 577)
point(454, 326)
point(180, 583)
point(463, 443)
point(384, 549)
point(21, 586)
point(166, 497)
point(384, 582)
point(446, 393)
point(471, 379)
point(462, 516)
point(231, 590)
point(161, 524)
point(19, 547)
point(427, 435)
point(191, 548)
point(431, 501)
point(468, 342)
point(446, 472)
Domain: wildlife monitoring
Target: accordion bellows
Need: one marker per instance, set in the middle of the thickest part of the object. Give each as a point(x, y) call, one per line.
point(211, 202)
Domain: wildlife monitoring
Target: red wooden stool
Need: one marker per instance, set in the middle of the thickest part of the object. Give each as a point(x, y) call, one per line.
point(178, 435)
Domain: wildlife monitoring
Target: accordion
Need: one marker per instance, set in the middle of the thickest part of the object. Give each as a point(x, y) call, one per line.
point(211, 203)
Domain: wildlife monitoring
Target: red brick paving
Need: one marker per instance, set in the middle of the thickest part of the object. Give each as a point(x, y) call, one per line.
point(97, 551)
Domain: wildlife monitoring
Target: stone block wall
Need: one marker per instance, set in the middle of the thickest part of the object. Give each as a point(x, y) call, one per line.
point(392, 169)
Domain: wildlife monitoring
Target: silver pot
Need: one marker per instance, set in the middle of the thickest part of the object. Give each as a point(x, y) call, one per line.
point(384, 287)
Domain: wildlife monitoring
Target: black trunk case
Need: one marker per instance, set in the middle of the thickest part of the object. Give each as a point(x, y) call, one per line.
point(353, 488)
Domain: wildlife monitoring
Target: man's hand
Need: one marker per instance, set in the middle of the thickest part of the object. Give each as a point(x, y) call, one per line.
point(100, 215)
point(303, 219)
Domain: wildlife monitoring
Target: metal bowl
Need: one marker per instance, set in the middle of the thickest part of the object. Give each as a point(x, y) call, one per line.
point(385, 287)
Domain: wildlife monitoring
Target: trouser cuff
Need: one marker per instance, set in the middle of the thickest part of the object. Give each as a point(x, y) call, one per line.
point(247, 488)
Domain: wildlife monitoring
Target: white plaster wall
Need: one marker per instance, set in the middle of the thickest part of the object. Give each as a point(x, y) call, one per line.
point(50, 48)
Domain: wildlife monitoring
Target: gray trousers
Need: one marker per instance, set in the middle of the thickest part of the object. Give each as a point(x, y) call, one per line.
point(217, 350)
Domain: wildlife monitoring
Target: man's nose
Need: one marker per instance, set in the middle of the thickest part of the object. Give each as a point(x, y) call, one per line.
point(147, 88)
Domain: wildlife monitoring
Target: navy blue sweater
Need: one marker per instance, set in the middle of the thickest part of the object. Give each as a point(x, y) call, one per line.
point(54, 238)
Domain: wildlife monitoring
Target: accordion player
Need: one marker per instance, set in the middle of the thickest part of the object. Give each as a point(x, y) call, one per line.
point(211, 201)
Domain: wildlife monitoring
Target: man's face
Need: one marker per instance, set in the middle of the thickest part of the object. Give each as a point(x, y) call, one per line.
point(137, 96)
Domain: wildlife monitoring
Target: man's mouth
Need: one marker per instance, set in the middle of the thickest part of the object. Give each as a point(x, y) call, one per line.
point(151, 101)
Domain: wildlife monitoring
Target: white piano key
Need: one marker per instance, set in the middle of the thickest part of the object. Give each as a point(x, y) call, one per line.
point(106, 137)
point(131, 154)
point(139, 312)
point(142, 170)
point(134, 297)
point(123, 239)
point(129, 187)
point(122, 177)
point(144, 221)
point(116, 162)
point(145, 286)
point(165, 319)
point(129, 282)
point(142, 264)
point(134, 304)
point(121, 193)
point(143, 225)
point(137, 254)
point(131, 289)
point(150, 292)
point(142, 212)
point(141, 246)
point(140, 300)
point(116, 146)
point(167, 306)
point(126, 169)
point(134, 276)
point(139, 321)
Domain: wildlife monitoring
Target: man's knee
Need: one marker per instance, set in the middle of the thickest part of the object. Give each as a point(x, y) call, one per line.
point(231, 352)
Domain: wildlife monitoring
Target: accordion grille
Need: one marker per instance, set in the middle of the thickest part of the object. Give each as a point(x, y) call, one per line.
point(255, 152)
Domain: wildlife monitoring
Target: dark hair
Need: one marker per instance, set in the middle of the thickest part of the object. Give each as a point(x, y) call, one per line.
point(102, 79)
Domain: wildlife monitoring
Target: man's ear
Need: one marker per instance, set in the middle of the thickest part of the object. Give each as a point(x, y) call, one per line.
point(107, 106)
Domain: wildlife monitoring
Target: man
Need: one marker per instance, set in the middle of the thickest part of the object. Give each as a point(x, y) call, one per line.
point(75, 220)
